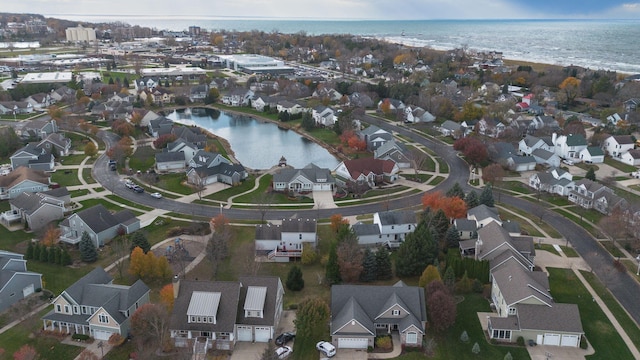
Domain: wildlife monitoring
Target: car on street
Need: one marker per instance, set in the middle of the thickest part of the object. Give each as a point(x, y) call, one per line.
point(129, 184)
point(283, 352)
point(156, 195)
point(284, 338)
point(326, 348)
point(137, 189)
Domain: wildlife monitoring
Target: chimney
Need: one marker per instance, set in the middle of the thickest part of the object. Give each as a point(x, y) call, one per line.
point(176, 286)
point(510, 277)
point(554, 138)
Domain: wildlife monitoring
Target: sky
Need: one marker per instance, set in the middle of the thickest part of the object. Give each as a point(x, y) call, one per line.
point(337, 9)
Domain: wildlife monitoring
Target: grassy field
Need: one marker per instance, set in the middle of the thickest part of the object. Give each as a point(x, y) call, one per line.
point(67, 177)
point(75, 159)
point(548, 247)
point(619, 165)
point(612, 249)
point(174, 183)
point(567, 288)
point(143, 159)
point(234, 190)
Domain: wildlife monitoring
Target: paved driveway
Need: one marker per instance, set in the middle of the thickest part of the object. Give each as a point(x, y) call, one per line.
point(248, 351)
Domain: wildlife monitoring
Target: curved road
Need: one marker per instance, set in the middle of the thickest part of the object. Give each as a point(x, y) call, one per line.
point(625, 288)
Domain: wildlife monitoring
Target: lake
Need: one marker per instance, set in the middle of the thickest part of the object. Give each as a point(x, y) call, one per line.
point(257, 144)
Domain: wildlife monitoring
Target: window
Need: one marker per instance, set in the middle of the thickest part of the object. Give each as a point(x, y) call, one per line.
point(395, 312)
point(409, 227)
point(84, 309)
point(300, 236)
point(193, 319)
point(512, 311)
point(67, 309)
point(76, 309)
point(103, 318)
point(412, 338)
point(393, 227)
point(58, 308)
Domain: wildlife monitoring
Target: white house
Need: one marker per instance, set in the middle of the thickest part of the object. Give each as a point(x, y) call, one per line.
point(631, 157)
point(569, 146)
point(617, 145)
point(285, 242)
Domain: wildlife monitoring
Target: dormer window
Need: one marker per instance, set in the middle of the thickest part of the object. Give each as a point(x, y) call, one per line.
point(512, 311)
point(103, 318)
point(395, 312)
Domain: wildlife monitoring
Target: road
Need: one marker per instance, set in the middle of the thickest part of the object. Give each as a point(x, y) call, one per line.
point(625, 289)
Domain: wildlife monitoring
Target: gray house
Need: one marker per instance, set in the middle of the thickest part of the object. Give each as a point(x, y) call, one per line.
point(23, 179)
point(38, 209)
point(375, 137)
point(207, 168)
point(394, 151)
point(307, 179)
point(33, 156)
point(99, 223)
point(96, 307)
point(16, 283)
point(39, 128)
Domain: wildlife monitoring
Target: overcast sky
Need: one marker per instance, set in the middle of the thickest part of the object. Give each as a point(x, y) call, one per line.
point(337, 9)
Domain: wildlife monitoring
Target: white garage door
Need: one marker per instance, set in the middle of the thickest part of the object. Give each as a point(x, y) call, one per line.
point(551, 339)
point(263, 334)
point(244, 333)
point(27, 291)
point(570, 340)
point(353, 343)
point(101, 335)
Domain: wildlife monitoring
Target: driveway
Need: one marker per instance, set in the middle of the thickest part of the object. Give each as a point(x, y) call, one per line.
point(248, 351)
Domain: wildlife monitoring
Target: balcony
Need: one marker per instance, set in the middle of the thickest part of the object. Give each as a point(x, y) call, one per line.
point(283, 255)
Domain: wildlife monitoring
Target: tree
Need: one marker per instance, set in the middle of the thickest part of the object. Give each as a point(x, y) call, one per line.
point(452, 237)
point(456, 191)
point(138, 239)
point(137, 262)
point(90, 149)
point(472, 199)
point(464, 337)
point(26, 352)
point(150, 325)
point(218, 244)
point(441, 306)
point(429, 275)
point(212, 96)
point(29, 254)
point(418, 250)
point(88, 252)
point(121, 246)
point(508, 356)
point(368, 273)
point(591, 174)
point(384, 270)
point(166, 297)
point(295, 282)
point(44, 254)
point(349, 260)
point(338, 222)
point(486, 196)
point(571, 88)
point(474, 150)
point(449, 278)
point(51, 236)
point(307, 121)
point(453, 207)
point(312, 320)
point(493, 174)
point(332, 271)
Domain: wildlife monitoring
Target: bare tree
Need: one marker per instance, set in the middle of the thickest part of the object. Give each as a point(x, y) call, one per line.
point(121, 247)
point(417, 158)
point(251, 266)
point(263, 204)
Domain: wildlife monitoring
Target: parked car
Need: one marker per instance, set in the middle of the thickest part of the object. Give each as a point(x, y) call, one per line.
point(156, 195)
point(283, 352)
point(284, 338)
point(567, 161)
point(129, 184)
point(326, 348)
point(138, 189)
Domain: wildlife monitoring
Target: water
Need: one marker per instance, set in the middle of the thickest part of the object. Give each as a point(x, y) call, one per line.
point(595, 44)
point(257, 145)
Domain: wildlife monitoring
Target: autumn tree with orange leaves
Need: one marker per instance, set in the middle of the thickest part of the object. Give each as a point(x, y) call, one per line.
point(453, 207)
point(337, 222)
point(166, 297)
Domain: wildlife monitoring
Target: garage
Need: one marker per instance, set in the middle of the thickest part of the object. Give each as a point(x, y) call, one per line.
point(570, 340)
point(101, 334)
point(263, 334)
point(551, 339)
point(244, 333)
point(27, 290)
point(353, 343)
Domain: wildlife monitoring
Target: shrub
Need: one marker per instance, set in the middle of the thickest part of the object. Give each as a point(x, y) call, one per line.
point(82, 337)
point(293, 306)
point(584, 344)
point(464, 337)
point(520, 341)
point(476, 348)
point(384, 342)
point(477, 286)
point(508, 356)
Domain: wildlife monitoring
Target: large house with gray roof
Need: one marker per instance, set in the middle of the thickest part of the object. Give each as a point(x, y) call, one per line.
point(37, 210)
point(554, 180)
point(99, 223)
point(216, 314)
point(207, 168)
point(396, 152)
point(305, 180)
point(361, 312)
point(285, 242)
point(33, 156)
point(21, 180)
point(389, 227)
point(96, 307)
point(16, 282)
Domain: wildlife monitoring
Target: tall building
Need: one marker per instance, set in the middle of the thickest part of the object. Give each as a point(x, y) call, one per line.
point(80, 34)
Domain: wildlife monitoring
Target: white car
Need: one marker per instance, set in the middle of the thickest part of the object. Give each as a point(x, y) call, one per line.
point(156, 195)
point(283, 352)
point(567, 161)
point(326, 348)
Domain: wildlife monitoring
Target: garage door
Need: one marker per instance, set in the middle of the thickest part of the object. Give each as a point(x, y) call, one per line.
point(27, 291)
point(101, 335)
point(353, 343)
point(244, 333)
point(570, 340)
point(551, 339)
point(263, 334)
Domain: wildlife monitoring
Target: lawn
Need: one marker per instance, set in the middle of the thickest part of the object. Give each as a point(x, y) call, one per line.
point(612, 249)
point(569, 251)
point(77, 193)
point(88, 178)
point(436, 180)
point(525, 226)
point(630, 327)
point(515, 186)
point(428, 164)
point(576, 219)
point(234, 190)
point(128, 203)
point(619, 165)
point(67, 177)
point(143, 159)
point(443, 166)
point(75, 159)
point(56, 278)
point(174, 183)
point(567, 288)
point(548, 247)
point(107, 204)
point(548, 229)
point(449, 345)
point(10, 239)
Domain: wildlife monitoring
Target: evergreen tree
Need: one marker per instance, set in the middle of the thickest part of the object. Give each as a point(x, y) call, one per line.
point(125, 82)
point(475, 349)
point(384, 271)
point(111, 82)
point(307, 121)
point(295, 282)
point(29, 254)
point(138, 239)
point(57, 255)
point(464, 337)
point(456, 190)
point(429, 275)
point(166, 83)
point(439, 222)
point(51, 255)
point(486, 196)
point(333, 269)
point(591, 174)
point(36, 252)
point(368, 266)
point(452, 237)
point(88, 252)
point(449, 279)
point(472, 199)
point(44, 254)
point(418, 250)
point(65, 258)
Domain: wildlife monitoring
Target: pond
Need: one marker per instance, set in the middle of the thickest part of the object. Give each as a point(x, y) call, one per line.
point(257, 144)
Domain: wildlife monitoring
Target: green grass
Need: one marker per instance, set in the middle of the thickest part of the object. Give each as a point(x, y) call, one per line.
point(174, 183)
point(444, 167)
point(449, 345)
point(547, 247)
point(67, 177)
point(592, 215)
point(80, 192)
point(436, 180)
point(556, 200)
point(88, 178)
point(386, 191)
point(143, 159)
point(225, 194)
point(420, 177)
point(56, 278)
point(429, 164)
point(576, 219)
point(525, 226)
point(543, 225)
point(75, 159)
point(107, 204)
point(619, 165)
point(612, 249)
point(129, 203)
point(569, 251)
point(627, 323)
point(515, 186)
point(10, 239)
point(326, 136)
point(567, 288)
point(252, 197)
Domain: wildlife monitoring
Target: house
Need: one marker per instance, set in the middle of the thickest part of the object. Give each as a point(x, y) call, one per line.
point(554, 180)
point(37, 210)
point(374, 137)
point(207, 168)
point(99, 223)
point(417, 114)
point(529, 143)
point(160, 126)
point(34, 157)
point(592, 195)
point(21, 180)
point(324, 116)
point(15, 107)
point(310, 178)
point(56, 143)
point(95, 306)
point(169, 161)
point(467, 229)
point(39, 101)
point(394, 105)
point(396, 152)
point(484, 215)
point(545, 157)
point(631, 157)
point(285, 242)
point(490, 127)
point(451, 128)
point(198, 93)
point(16, 282)
point(526, 309)
point(496, 245)
point(191, 135)
point(592, 155)
point(217, 314)
point(237, 97)
point(616, 145)
point(291, 107)
point(360, 100)
point(631, 105)
point(185, 147)
point(389, 228)
point(569, 146)
point(521, 163)
point(327, 93)
point(63, 94)
point(365, 172)
point(361, 312)
point(39, 128)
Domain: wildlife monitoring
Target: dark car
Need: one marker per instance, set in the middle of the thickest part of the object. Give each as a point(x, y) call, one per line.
point(284, 338)
point(138, 189)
